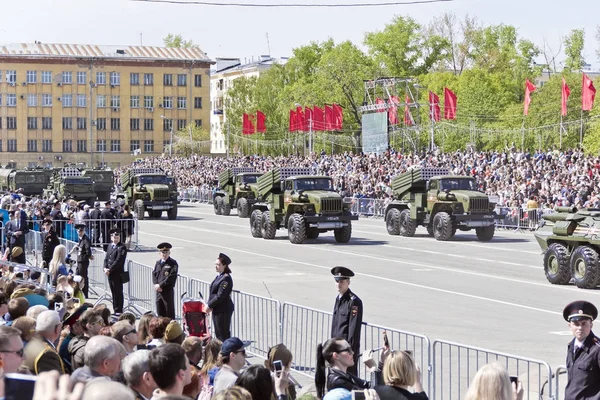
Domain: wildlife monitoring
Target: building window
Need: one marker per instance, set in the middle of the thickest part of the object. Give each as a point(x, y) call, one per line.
point(148, 101)
point(134, 102)
point(101, 101)
point(101, 145)
point(11, 100)
point(46, 122)
point(167, 102)
point(115, 78)
point(134, 79)
point(115, 124)
point(0, 93)
point(168, 79)
point(46, 76)
point(148, 124)
point(31, 122)
point(67, 77)
point(81, 123)
point(47, 145)
point(11, 122)
point(181, 102)
point(166, 144)
point(148, 79)
point(181, 123)
point(115, 101)
point(198, 80)
point(181, 80)
point(0, 75)
point(198, 123)
point(134, 124)
point(12, 145)
point(32, 100)
point(101, 124)
point(11, 77)
point(82, 146)
point(149, 146)
point(134, 145)
point(115, 146)
point(167, 124)
point(67, 100)
point(31, 145)
point(0, 118)
point(31, 77)
point(100, 78)
point(67, 123)
point(67, 146)
point(46, 99)
point(81, 100)
point(197, 102)
point(81, 77)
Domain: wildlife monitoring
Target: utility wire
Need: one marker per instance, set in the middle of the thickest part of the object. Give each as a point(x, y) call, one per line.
point(303, 5)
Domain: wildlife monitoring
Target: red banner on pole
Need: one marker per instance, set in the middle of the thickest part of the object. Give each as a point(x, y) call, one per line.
point(308, 119)
point(261, 122)
point(566, 92)
point(449, 104)
point(434, 106)
point(300, 118)
point(393, 110)
point(529, 88)
point(245, 121)
point(380, 101)
point(407, 117)
point(293, 121)
point(318, 119)
point(588, 93)
point(328, 118)
point(338, 117)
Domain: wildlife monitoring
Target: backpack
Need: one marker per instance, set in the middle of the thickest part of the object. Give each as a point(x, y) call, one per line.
point(206, 392)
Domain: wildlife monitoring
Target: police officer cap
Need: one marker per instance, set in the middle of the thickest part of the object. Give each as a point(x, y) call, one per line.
point(579, 310)
point(79, 226)
point(114, 230)
point(224, 259)
point(96, 204)
point(164, 246)
point(108, 203)
point(342, 272)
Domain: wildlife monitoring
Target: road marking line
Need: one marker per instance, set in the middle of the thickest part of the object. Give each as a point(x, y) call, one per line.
point(561, 333)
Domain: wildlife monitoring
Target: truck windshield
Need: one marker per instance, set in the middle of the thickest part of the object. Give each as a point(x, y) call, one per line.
point(314, 184)
point(458, 184)
point(77, 181)
point(145, 180)
point(249, 179)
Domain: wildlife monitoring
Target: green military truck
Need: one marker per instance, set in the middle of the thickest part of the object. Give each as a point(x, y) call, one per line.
point(441, 202)
point(149, 189)
point(31, 181)
point(104, 181)
point(305, 204)
point(68, 183)
point(237, 189)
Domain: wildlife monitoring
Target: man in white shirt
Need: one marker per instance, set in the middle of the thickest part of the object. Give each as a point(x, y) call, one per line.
point(233, 354)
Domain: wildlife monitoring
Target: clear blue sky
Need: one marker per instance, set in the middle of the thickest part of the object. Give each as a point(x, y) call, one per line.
point(240, 32)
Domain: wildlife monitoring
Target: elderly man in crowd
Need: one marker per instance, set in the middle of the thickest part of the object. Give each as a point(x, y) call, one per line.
point(103, 357)
point(40, 353)
point(136, 371)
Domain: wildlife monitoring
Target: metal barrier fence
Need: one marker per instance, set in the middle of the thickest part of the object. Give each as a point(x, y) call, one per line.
point(455, 365)
point(140, 289)
point(195, 195)
point(558, 389)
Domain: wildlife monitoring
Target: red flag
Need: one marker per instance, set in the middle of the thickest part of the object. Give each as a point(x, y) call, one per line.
point(588, 93)
point(529, 88)
point(449, 104)
point(308, 119)
point(393, 110)
point(434, 106)
point(318, 119)
point(245, 121)
point(407, 117)
point(566, 92)
point(293, 121)
point(338, 117)
point(328, 118)
point(380, 101)
point(300, 118)
point(251, 130)
point(261, 122)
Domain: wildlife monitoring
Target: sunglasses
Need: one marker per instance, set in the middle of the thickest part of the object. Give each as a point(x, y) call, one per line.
point(130, 332)
point(17, 352)
point(347, 350)
point(243, 352)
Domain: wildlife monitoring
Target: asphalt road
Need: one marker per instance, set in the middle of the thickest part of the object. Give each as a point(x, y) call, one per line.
point(492, 295)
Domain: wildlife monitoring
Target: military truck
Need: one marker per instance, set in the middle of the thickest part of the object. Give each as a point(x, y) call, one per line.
point(104, 181)
point(149, 189)
point(237, 189)
point(68, 183)
point(441, 202)
point(570, 240)
point(305, 204)
point(31, 181)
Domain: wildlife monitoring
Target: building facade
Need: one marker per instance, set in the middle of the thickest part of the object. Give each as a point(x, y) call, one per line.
point(97, 104)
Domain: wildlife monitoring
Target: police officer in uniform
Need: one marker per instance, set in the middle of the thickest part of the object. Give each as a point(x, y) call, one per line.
point(114, 267)
point(164, 277)
point(84, 255)
point(347, 313)
point(583, 354)
point(219, 302)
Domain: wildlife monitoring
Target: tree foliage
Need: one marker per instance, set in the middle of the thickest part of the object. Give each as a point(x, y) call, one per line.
point(177, 41)
point(574, 44)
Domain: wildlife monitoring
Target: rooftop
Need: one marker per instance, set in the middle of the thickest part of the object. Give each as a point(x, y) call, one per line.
point(229, 65)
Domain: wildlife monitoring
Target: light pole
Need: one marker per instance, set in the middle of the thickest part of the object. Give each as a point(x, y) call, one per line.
point(171, 141)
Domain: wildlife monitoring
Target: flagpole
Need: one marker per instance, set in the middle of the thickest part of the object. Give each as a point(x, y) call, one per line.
point(581, 129)
point(523, 135)
point(310, 136)
point(561, 131)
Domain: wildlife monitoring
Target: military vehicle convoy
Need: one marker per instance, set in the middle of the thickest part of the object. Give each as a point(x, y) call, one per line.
point(70, 184)
point(570, 239)
point(104, 181)
point(441, 202)
point(304, 204)
point(237, 189)
point(32, 181)
point(149, 189)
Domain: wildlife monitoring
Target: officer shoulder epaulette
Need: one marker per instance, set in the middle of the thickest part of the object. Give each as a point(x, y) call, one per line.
point(596, 341)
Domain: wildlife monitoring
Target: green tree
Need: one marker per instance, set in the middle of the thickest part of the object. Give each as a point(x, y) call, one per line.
point(459, 37)
point(177, 41)
point(574, 44)
point(191, 140)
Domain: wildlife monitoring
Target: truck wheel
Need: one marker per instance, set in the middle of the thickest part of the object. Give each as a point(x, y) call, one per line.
point(430, 229)
point(584, 267)
point(343, 235)
point(243, 208)
point(255, 223)
point(296, 229)
point(407, 224)
point(556, 264)
point(269, 229)
point(172, 213)
point(442, 226)
point(218, 204)
point(140, 210)
point(393, 221)
point(485, 234)
point(312, 233)
point(226, 207)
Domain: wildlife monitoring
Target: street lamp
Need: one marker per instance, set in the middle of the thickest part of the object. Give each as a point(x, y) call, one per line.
point(171, 141)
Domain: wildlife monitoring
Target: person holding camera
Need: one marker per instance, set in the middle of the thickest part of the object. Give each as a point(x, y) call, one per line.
point(84, 255)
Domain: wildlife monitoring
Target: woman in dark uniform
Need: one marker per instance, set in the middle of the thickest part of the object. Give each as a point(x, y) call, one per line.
point(219, 301)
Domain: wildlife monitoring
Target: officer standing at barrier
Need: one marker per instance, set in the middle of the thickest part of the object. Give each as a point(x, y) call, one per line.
point(50, 241)
point(84, 255)
point(164, 277)
point(347, 314)
point(114, 268)
point(219, 301)
point(95, 223)
point(106, 223)
point(583, 354)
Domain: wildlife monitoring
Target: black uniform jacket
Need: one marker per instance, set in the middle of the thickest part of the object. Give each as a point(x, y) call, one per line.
point(115, 259)
point(387, 392)
point(51, 240)
point(347, 319)
point(584, 370)
point(10, 229)
point(165, 274)
point(220, 294)
point(85, 249)
point(339, 379)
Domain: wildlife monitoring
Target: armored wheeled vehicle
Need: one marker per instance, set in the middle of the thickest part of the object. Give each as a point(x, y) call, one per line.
point(149, 189)
point(31, 181)
point(441, 202)
point(68, 183)
point(104, 181)
point(237, 189)
point(570, 239)
point(304, 204)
